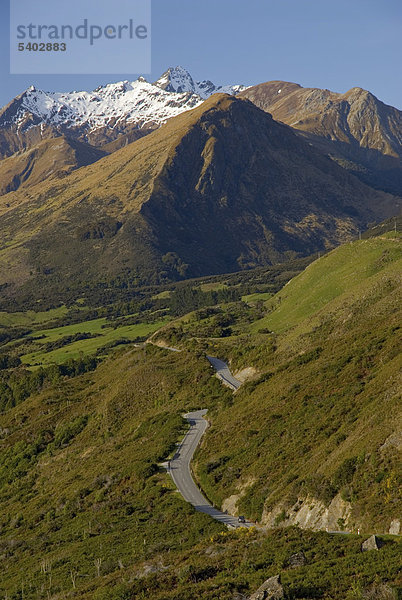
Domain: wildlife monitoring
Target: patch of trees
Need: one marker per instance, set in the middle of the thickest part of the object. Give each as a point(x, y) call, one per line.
point(9, 362)
point(119, 342)
point(7, 334)
point(17, 461)
point(111, 311)
point(97, 231)
point(186, 299)
point(128, 286)
point(17, 385)
point(65, 432)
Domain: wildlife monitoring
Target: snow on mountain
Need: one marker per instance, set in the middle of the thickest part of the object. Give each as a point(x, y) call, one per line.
point(179, 79)
point(139, 103)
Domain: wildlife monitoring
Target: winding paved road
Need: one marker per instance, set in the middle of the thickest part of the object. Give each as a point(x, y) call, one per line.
point(223, 372)
point(179, 466)
point(179, 469)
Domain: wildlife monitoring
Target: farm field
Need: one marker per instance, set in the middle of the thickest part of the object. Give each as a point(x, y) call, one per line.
point(104, 335)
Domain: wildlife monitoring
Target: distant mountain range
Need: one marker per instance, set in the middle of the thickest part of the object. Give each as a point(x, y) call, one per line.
point(125, 108)
point(355, 129)
point(220, 188)
point(153, 182)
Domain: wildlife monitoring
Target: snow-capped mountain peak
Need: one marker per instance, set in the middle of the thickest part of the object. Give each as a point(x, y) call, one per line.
point(110, 110)
point(178, 79)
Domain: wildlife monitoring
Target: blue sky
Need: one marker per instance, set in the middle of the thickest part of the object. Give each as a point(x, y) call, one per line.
point(334, 44)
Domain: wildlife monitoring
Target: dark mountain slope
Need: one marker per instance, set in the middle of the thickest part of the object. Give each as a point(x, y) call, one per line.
point(236, 171)
point(217, 188)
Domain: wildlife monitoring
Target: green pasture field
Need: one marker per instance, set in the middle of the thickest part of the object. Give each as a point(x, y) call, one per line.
point(88, 346)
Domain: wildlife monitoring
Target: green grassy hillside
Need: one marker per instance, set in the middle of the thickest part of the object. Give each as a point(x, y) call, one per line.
point(322, 421)
point(102, 334)
point(343, 271)
point(87, 513)
point(79, 479)
point(30, 317)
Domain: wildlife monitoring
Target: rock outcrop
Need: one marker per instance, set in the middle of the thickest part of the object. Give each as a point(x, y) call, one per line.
point(271, 589)
point(310, 513)
point(297, 560)
point(372, 543)
point(395, 527)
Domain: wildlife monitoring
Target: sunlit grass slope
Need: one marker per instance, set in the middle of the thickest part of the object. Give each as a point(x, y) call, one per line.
point(344, 270)
point(323, 418)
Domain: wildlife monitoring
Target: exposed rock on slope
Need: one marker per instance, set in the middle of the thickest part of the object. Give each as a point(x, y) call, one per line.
point(372, 543)
point(358, 130)
point(271, 589)
point(310, 513)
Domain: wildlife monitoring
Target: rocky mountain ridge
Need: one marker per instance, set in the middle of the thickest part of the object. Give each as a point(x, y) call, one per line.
point(100, 116)
point(220, 188)
point(357, 130)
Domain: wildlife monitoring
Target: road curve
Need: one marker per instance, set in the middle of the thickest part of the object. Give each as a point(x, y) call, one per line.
point(179, 469)
point(179, 466)
point(223, 372)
